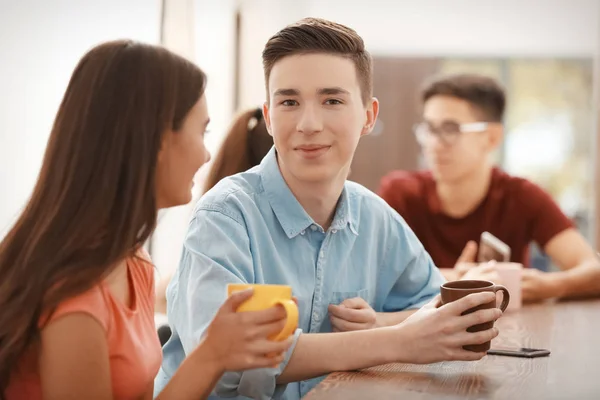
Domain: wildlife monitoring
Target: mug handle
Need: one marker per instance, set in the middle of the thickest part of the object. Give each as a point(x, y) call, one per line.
point(291, 322)
point(505, 296)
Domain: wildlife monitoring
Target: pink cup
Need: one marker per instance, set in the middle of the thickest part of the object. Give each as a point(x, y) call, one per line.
point(510, 276)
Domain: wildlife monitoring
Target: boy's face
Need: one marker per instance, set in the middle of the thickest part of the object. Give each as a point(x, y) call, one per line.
point(468, 151)
point(316, 116)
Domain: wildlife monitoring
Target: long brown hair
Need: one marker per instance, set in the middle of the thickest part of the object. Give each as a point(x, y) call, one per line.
point(245, 145)
point(94, 203)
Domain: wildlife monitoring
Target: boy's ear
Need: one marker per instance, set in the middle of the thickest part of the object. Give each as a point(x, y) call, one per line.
point(267, 117)
point(372, 111)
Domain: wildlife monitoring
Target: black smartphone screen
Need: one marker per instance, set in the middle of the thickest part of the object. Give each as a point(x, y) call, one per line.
point(519, 352)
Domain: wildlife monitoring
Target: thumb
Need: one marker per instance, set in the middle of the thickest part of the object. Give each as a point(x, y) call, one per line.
point(355, 303)
point(468, 254)
point(488, 266)
point(436, 302)
point(236, 299)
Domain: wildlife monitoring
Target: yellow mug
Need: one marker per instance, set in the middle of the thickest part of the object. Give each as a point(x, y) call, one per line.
point(267, 296)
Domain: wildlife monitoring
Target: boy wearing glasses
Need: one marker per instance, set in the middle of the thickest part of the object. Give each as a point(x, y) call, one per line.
point(463, 194)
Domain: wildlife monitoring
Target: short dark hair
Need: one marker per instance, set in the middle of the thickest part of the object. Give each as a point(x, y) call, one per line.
point(485, 94)
point(315, 35)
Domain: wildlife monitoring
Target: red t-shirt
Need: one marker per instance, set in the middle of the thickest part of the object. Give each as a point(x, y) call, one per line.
point(514, 210)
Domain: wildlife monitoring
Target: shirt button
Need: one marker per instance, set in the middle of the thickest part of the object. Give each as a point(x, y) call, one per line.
point(333, 230)
point(302, 233)
point(322, 254)
point(316, 317)
point(313, 227)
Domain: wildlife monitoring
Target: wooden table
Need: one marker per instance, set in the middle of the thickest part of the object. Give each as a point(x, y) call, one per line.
point(571, 330)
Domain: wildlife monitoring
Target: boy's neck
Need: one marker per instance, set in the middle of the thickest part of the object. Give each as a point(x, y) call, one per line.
point(319, 199)
point(461, 197)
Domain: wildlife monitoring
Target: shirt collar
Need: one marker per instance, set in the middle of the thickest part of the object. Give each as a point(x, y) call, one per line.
point(343, 213)
point(289, 212)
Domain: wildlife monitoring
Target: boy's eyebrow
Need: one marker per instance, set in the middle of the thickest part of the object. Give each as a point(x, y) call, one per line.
point(286, 92)
point(332, 91)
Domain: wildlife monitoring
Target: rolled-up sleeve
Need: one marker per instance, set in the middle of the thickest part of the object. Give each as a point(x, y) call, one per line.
point(419, 280)
point(217, 252)
point(258, 383)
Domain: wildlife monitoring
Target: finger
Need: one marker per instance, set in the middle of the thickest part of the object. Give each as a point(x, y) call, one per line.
point(356, 303)
point(480, 270)
point(345, 326)
point(436, 302)
point(528, 275)
point(478, 317)
point(468, 302)
point(468, 254)
point(264, 346)
point(467, 338)
point(235, 300)
point(272, 314)
point(487, 267)
point(484, 273)
point(466, 355)
point(349, 314)
point(529, 293)
point(465, 267)
point(265, 330)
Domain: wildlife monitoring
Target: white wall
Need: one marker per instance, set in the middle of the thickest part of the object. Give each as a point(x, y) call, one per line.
point(212, 37)
point(471, 27)
point(431, 28)
point(41, 41)
point(260, 20)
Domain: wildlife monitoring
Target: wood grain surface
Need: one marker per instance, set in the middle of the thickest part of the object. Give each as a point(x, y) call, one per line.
point(570, 330)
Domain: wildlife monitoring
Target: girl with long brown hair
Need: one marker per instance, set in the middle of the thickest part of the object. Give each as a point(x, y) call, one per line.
point(76, 288)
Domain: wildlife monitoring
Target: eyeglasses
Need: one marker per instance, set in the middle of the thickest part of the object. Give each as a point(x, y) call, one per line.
point(448, 133)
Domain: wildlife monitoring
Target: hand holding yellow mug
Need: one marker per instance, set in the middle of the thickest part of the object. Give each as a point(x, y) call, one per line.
point(267, 296)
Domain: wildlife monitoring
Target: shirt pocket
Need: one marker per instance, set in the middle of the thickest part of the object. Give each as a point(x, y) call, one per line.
point(338, 297)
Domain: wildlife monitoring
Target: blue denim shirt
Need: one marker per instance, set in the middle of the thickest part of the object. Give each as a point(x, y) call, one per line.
point(251, 229)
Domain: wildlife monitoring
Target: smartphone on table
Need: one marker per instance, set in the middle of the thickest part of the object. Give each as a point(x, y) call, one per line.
point(524, 352)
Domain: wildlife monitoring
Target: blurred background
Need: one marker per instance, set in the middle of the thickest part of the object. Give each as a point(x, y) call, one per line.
point(545, 52)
